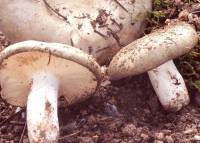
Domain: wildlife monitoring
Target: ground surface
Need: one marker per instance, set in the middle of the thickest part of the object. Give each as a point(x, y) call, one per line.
point(126, 111)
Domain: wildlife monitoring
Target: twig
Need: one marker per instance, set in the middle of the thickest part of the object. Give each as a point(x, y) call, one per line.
point(115, 36)
point(70, 135)
point(23, 133)
point(17, 123)
point(11, 117)
point(121, 5)
point(60, 15)
point(49, 60)
point(99, 33)
point(72, 43)
point(195, 12)
point(115, 22)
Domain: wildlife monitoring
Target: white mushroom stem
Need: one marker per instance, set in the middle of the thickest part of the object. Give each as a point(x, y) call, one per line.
point(169, 86)
point(42, 119)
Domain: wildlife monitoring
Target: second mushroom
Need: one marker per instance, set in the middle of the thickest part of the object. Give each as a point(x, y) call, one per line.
point(36, 73)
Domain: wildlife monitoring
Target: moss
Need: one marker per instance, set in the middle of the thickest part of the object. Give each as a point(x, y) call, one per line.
point(156, 16)
point(160, 4)
point(189, 66)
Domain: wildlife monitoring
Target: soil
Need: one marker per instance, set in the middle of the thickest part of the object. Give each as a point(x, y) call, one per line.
point(124, 111)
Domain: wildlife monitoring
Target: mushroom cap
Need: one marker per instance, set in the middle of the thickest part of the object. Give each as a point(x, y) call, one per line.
point(78, 73)
point(98, 27)
point(153, 50)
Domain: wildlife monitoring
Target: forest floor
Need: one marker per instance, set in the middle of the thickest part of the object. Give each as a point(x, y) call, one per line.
point(127, 111)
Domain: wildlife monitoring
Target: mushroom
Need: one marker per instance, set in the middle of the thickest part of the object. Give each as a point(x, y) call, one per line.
point(92, 26)
point(169, 86)
point(35, 74)
point(153, 50)
point(98, 27)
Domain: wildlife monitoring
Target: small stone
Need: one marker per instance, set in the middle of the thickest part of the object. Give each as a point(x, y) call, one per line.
point(111, 110)
point(96, 137)
point(169, 139)
point(158, 141)
point(129, 130)
point(190, 131)
point(166, 131)
point(105, 83)
point(196, 138)
point(117, 141)
point(159, 136)
point(183, 15)
point(145, 137)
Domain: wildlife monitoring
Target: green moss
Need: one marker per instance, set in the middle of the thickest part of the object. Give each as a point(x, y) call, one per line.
point(157, 15)
point(189, 66)
point(160, 4)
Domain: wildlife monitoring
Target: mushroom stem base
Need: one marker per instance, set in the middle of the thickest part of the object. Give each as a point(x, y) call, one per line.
point(42, 118)
point(169, 86)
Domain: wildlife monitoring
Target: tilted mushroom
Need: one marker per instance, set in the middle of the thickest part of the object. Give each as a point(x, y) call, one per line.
point(153, 50)
point(35, 73)
point(98, 27)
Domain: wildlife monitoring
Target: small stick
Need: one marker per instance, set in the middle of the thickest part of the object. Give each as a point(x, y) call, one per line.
point(11, 117)
point(121, 5)
point(115, 22)
point(102, 35)
point(17, 123)
point(47, 4)
point(70, 135)
point(72, 43)
point(195, 12)
point(23, 133)
point(49, 60)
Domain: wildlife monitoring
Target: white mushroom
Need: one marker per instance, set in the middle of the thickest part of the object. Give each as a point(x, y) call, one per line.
point(98, 27)
point(42, 72)
point(153, 50)
point(169, 86)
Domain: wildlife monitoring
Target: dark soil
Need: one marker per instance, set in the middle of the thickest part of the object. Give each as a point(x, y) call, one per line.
point(125, 111)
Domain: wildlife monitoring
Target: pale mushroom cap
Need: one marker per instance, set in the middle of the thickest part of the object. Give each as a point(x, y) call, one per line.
point(153, 50)
point(98, 27)
point(76, 79)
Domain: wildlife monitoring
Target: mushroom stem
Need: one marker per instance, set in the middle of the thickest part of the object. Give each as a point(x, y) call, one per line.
point(169, 86)
point(42, 119)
